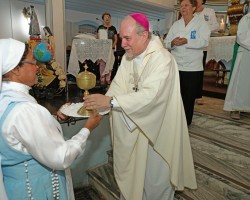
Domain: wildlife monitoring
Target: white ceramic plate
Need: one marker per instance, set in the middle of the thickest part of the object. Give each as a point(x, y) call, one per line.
point(71, 110)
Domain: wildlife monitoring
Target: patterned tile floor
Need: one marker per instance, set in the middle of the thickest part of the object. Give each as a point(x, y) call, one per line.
point(212, 107)
point(87, 193)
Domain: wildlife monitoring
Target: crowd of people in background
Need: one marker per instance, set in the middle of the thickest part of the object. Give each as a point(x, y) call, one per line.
point(183, 42)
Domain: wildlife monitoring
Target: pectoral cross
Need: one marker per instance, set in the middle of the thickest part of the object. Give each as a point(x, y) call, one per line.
point(135, 88)
point(136, 80)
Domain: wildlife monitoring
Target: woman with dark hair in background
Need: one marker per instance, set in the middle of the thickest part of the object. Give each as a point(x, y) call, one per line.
point(111, 30)
point(111, 34)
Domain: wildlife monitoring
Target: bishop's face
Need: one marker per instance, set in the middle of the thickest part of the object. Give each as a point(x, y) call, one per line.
point(133, 43)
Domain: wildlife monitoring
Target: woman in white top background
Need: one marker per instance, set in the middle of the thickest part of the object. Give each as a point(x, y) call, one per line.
point(187, 38)
point(208, 14)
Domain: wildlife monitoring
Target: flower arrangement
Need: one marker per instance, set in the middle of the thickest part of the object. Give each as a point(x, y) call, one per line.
point(51, 77)
point(61, 75)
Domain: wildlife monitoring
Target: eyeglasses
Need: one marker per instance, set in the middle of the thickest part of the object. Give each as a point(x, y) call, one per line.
point(29, 62)
point(185, 5)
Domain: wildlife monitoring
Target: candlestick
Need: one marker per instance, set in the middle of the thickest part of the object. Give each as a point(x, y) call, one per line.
point(222, 25)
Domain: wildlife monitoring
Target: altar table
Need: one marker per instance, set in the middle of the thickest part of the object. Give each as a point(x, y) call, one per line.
point(91, 49)
point(220, 48)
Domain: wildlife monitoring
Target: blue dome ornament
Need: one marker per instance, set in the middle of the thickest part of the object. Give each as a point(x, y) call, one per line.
point(43, 52)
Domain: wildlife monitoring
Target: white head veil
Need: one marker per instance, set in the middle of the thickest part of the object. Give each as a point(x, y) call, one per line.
point(11, 52)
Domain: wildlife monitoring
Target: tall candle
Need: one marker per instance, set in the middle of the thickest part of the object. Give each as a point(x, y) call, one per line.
point(222, 25)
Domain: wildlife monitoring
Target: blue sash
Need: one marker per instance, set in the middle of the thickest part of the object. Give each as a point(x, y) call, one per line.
point(20, 170)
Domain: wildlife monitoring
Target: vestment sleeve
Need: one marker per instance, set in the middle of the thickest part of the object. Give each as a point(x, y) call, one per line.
point(243, 33)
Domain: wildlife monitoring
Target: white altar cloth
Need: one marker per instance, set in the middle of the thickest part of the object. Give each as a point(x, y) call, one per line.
point(220, 48)
point(91, 49)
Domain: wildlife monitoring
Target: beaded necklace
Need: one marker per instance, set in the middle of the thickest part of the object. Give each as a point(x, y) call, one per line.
point(54, 181)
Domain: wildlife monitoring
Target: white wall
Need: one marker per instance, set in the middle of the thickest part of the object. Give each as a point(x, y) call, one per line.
point(72, 21)
point(164, 3)
point(217, 7)
point(73, 18)
point(163, 25)
point(5, 16)
point(58, 28)
point(13, 24)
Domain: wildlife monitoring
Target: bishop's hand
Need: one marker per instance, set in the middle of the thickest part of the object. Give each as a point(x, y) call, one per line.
point(97, 102)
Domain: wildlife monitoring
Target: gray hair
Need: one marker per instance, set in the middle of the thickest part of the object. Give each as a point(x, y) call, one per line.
point(140, 29)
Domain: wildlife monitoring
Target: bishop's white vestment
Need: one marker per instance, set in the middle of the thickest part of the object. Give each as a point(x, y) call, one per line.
point(157, 112)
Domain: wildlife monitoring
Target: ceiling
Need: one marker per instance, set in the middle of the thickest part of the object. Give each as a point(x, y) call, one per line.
point(117, 8)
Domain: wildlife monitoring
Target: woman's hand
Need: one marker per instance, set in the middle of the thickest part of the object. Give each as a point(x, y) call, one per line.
point(178, 41)
point(175, 42)
point(93, 121)
point(182, 41)
point(60, 116)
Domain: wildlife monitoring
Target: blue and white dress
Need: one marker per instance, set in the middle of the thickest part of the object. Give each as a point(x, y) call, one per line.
point(34, 156)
